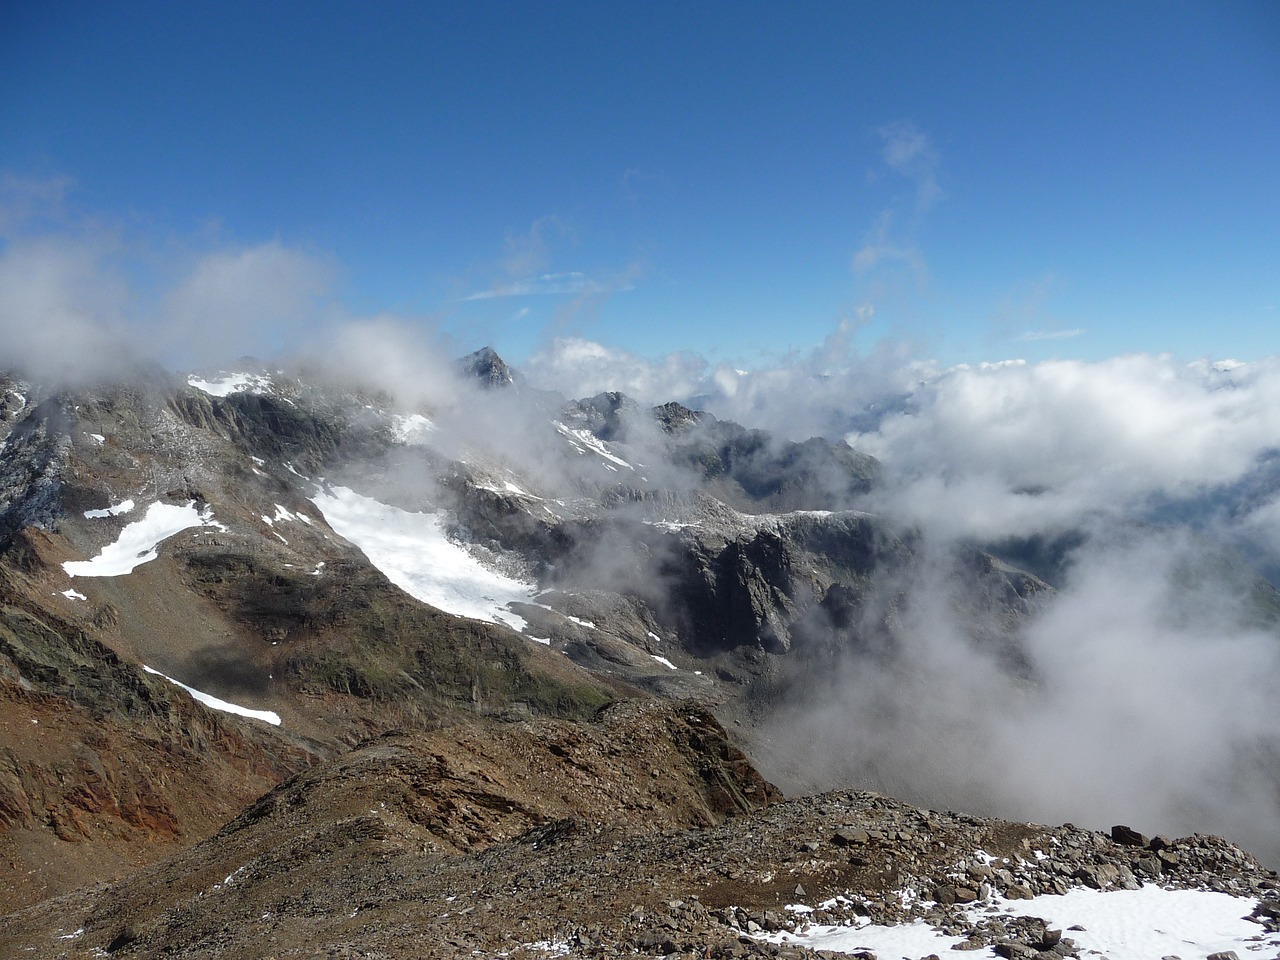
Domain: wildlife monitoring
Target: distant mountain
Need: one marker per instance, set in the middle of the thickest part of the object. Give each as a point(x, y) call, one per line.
point(211, 583)
point(486, 367)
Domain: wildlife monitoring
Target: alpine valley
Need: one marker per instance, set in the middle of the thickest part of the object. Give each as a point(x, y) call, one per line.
point(292, 666)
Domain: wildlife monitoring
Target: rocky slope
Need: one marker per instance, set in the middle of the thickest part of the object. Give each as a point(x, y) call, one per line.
point(644, 833)
point(457, 589)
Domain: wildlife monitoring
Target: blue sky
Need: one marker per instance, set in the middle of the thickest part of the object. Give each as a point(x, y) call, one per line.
point(980, 181)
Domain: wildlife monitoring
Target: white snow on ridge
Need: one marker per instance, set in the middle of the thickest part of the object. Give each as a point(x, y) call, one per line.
point(213, 703)
point(507, 487)
point(138, 542)
point(584, 438)
point(283, 513)
point(112, 511)
point(1119, 924)
point(232, 383)
point(412, 430)
point(1151, 921)
point(411, 549)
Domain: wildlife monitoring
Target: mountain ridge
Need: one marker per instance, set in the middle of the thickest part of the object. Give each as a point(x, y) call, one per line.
point(598, 554)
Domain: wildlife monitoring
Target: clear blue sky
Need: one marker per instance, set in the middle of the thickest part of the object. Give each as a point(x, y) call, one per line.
point(988, 180)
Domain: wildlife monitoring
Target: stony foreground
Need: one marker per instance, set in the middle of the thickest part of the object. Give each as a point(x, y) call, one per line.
point(642, 834)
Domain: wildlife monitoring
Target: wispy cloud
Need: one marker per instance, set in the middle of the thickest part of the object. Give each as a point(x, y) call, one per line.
point(908, 151)
point(528, 254)
point(228, 296)
point(635, 183)
point(1031, 336)
point(582, 368)
point(24, 198)
point(525, 269)
point(883, 246)
point(1025, 314)
point(573, 283)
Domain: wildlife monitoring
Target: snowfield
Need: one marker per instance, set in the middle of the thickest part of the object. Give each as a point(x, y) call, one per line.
point(111, 511)
point(1144, 924)
point(413, 430)
point(411, 549)
point(213, 703)
point(232, 383)
point(138, 542)
point(584, 440)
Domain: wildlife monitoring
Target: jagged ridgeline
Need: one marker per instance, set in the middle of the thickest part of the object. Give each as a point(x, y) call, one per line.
point(213, 583)
point(210, 582)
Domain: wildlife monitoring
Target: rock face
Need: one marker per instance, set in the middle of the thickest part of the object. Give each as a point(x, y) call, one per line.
point(665, 553)
point(487, 367)
point(641, 833)
point(649, 532)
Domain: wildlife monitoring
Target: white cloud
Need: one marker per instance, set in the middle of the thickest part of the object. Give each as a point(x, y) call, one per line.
point(25, 198)
point(999, 449)
point(573, 283)
point(230, 297)
point(583, 368)
point(1145, 699)
point(908, 151)
point(1032, 336)
point(391, 353)
point(63, 306)
point(881, 246)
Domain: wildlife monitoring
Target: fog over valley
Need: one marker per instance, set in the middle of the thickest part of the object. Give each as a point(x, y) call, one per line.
point(1127, 679)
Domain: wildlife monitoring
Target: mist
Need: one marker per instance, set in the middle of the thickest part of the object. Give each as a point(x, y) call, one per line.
point(1143, 684)
point(1143, 687)
point(1145, 697)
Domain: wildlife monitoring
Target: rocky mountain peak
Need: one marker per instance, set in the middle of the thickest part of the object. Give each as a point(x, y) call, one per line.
point(607, 415)
point(675, 417)
point(487, 367)
point(481, 579)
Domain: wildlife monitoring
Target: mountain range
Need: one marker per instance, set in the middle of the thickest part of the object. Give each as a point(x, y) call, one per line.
point(263, 617)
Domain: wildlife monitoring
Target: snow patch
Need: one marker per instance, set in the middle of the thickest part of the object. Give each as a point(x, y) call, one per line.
point(213, 703)
point(98, 438)
point(664, 661)
point(72, 594)
point(282, 514)
point(549, 948)
point(232, 383)
point(1150, 922)
point(508, 487)
point(414, 553)
point(113, 511)
point(584, 440)
point(138, 542)
point(672, 526)
point(413, 430)
point(1119, 924)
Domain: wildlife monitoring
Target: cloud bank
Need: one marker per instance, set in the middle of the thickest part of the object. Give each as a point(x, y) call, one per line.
point(1145, 678)
point(1149, 673)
